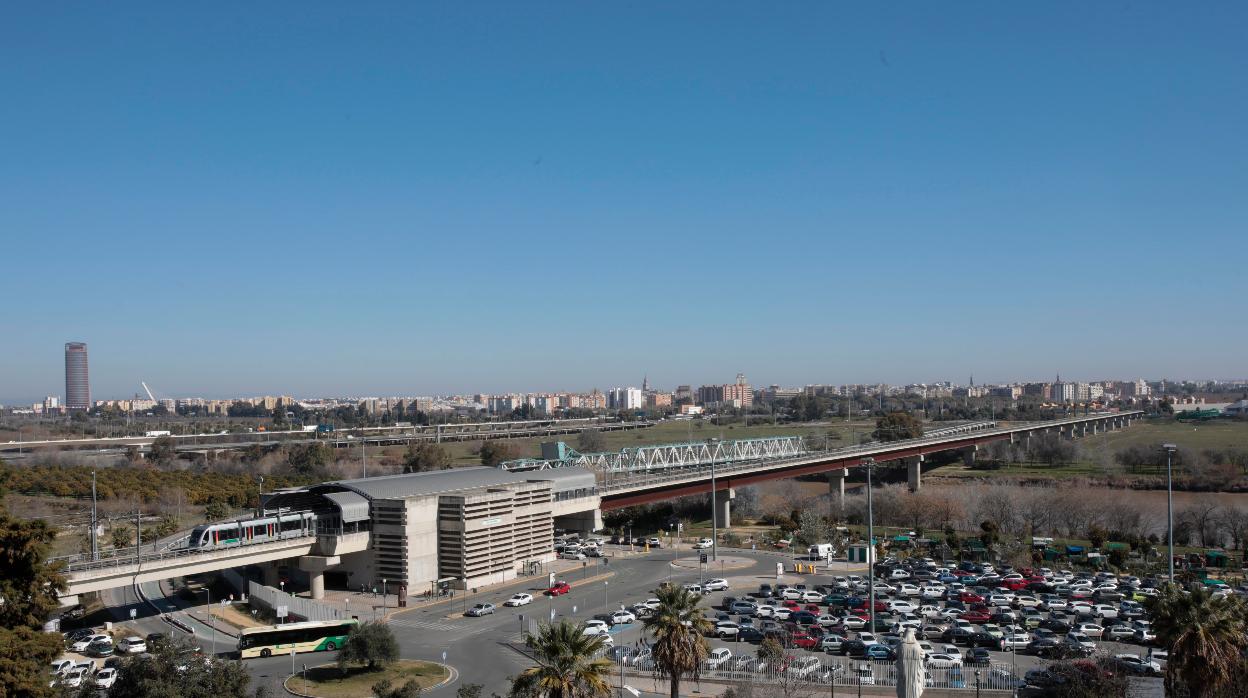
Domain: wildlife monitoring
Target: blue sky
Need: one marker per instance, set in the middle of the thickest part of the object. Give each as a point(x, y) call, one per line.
point(319, 198)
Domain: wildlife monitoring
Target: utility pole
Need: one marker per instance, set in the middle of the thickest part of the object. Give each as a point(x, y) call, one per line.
point(95, 522)
point(1170, 449)
point(870, 464)
point(714, 505)
point(260, 498)
point(364, 456)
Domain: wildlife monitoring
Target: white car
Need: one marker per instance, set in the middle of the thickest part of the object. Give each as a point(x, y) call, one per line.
point(939, 659)
point(106, 677)
point(781, 613)
point(1090, 629)
point(791, 594)
point(73, 678)
point(727, 629)
point(1104, 610)
point(1014, 640)
point(596, 627)
point(932, 593)
point(61, 666)
point(519, 600)
point(1144, 665)
point(764, 611)
point(572, 555)
point(132, 645)
point(622, 618)
point(898, 606)
point(812, 596)
point(1078, 639)
point(908, 589)
point(703, 544)
point(715, 585)
point(718, 657)
point(81, 645)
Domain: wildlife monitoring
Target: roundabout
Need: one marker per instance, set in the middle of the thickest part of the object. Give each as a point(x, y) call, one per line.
point(328, 681)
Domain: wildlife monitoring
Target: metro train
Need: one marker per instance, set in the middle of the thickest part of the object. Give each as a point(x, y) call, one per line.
point(244, 531)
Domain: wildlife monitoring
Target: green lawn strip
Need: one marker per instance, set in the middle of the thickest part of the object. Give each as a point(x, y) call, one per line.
point(326, 681)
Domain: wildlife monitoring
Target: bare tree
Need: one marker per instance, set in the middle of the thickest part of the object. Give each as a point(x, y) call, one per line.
point(1202, 516)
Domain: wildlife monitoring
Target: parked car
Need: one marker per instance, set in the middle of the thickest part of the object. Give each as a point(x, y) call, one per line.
point(718, 657)
point(100, 648)
point(622, 618)
point(132, 645)
point(977, 656)
point(105, 678)
point(82, 643)
point(715, 585)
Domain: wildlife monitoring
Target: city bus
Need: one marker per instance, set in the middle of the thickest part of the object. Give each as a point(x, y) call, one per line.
point(309, 636)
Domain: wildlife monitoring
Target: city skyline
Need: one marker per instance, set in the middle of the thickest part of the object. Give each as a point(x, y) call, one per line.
point(77, 372)
point(411, 200)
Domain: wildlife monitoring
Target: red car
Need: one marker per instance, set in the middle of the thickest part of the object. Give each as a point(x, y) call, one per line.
point(977, 617)
point(814, 608)
point(792, 605)
point(970, 597)
point(1014, 584)
point(558, 589)
point(804, 641)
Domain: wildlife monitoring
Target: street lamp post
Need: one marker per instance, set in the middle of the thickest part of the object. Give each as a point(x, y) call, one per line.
point(383, 598)
point(1170, 449)
point(208, 591)
point(714, 443)
point(869, 463)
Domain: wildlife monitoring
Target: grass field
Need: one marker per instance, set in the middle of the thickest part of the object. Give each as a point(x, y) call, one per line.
point(1196, 437)
point(326, 681)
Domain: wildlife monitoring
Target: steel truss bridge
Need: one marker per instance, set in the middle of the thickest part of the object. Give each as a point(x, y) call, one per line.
point(698, 453)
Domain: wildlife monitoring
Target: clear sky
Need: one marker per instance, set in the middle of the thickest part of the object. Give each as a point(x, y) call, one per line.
point(413, 198)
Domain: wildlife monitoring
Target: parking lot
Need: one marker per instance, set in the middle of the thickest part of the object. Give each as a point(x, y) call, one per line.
point(974, 622)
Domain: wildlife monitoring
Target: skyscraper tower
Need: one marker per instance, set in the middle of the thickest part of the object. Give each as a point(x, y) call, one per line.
point(645, 384)
point(77, 378)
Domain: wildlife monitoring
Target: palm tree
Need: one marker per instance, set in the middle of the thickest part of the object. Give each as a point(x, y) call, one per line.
point(678, 625)
point(568, 665)
point(1204, 635)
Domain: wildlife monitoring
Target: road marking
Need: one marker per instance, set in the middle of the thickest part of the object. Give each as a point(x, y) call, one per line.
point(429, 625)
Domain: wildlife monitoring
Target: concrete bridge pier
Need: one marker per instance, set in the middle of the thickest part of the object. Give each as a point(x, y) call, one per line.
point(270, 572)
point(968, 456)
point(914, 472)
point(836, 484)
point(315, 566)
point(723, 507)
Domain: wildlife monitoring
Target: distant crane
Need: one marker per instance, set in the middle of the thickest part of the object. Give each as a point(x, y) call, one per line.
point(148, 391)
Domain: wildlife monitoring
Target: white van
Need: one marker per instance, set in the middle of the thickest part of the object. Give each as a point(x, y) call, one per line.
point(819, 552)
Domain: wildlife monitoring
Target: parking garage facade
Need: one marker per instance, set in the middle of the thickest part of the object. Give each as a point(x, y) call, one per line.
point(463, 527)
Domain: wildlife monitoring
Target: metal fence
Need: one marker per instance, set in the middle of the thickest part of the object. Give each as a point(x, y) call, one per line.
point(820, 671)
point(307, 609)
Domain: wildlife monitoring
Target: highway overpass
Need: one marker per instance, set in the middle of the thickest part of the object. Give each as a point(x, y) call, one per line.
point(586, 485)
point(627, 487)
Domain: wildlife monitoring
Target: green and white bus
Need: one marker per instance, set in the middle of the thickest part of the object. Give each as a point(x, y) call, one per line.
point(309, 636)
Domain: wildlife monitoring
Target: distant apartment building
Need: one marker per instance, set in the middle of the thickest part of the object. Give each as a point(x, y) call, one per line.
point(775, 393)
point(738, 394)
point(1065, 392)
point(1009, 392)
point(625, 399)
point(710, 394)
point(77, 377)
point(684, 393)
point(1044, 391)
point(1136, 388)
point(658, 401)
